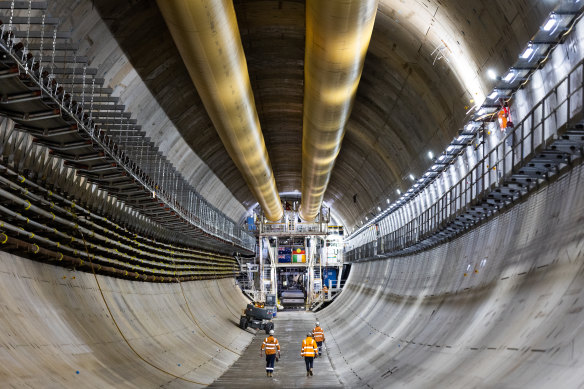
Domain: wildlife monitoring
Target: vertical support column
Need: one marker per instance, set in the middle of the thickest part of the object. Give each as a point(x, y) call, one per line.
point(320, 258)
point(274, 261)
point(310, 286)
point(273, 279)
point(262, 287)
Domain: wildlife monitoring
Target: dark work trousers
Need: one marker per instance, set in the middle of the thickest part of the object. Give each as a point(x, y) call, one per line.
point(309, 361)
point(270, 359)
point(319, 344)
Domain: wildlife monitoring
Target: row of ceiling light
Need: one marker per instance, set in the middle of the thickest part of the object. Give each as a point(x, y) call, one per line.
point(555, 28)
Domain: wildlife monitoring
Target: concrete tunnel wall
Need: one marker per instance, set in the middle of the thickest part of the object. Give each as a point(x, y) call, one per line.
point(500, 306)
point(55, 323)
point(416, 321)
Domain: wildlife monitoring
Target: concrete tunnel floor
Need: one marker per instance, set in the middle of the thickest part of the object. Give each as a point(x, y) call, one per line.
point(290, 371)
point(501, 306)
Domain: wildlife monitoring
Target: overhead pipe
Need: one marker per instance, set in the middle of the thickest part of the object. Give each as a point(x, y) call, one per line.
point(337, 37)
point(207, 37)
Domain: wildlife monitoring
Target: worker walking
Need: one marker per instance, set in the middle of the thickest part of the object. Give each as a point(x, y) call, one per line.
point(318, 336)
point(271, 346)
point(309, 351)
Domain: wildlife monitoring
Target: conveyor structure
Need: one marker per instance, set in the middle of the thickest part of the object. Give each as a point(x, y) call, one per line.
point(52, 94)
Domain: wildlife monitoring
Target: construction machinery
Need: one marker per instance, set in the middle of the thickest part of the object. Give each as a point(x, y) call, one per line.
point(257, 315)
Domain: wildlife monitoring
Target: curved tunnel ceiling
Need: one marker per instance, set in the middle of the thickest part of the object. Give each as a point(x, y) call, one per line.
point(425, 67)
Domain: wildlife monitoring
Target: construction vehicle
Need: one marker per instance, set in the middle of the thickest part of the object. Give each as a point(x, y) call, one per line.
point(257, 315)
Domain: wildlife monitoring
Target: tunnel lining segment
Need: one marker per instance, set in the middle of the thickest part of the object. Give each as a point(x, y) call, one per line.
point(544, 45)
point(63, 325)
point(546, 141)
point(497, 306)
point(99, 141)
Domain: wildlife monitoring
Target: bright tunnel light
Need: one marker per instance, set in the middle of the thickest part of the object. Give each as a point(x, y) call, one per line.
point(509, 77)
point(492, 75)
point(527, 53)
point(550, 24)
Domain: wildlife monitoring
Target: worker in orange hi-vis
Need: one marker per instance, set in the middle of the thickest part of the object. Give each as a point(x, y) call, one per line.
point(504, 117)
point(309, 351)
point(271, 346)
point(318, 336)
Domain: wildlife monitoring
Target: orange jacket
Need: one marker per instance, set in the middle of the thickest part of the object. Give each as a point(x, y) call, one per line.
point(271, 345)
point(503, 117)
point(318, 334)
point(309, 347)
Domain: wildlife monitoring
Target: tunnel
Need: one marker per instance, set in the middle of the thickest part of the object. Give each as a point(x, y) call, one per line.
point(168, 165)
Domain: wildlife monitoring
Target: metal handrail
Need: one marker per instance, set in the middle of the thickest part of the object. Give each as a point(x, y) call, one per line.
point(537, 129)
point(169, 185)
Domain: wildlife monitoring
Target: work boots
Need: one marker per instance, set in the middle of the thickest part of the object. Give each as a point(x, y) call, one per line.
point(307, 373)
point(310, 371)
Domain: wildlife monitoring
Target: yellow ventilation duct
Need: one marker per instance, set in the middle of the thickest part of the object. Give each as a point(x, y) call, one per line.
point(207, 37)
point(337, 37)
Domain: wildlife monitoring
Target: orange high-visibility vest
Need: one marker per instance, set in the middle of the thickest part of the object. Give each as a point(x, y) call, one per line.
point(318, 334)
point(309, 347)
point(270, 345)
point(503, 117)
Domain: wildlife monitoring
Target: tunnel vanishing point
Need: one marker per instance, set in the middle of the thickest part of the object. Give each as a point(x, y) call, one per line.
point(408, 173)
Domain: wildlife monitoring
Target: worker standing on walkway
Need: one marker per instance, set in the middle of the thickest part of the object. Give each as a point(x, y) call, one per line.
point(271, 346)
point(309, 351)
point(318, 336)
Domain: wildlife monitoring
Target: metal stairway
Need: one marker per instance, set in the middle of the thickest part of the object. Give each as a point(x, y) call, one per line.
point(59, 100)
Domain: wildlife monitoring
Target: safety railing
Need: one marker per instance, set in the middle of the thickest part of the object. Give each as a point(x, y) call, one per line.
point(559, 109)
point(293, 228)
point(65, 79)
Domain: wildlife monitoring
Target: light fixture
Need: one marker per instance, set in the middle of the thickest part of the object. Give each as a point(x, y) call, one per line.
point(550, 23)
point(492, 75)
point(378, 209)
point(441, 158)
point(509, 76)
point(398, 192)
point(435, 167)
point(388, 201)
point(366, 218)
point(412, 177)
point(527, 53)
point(430, 155)
point(494, 94)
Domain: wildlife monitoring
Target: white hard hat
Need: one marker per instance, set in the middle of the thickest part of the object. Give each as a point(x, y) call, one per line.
point(271, 332)
point(317, 323)
point(309, 333)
